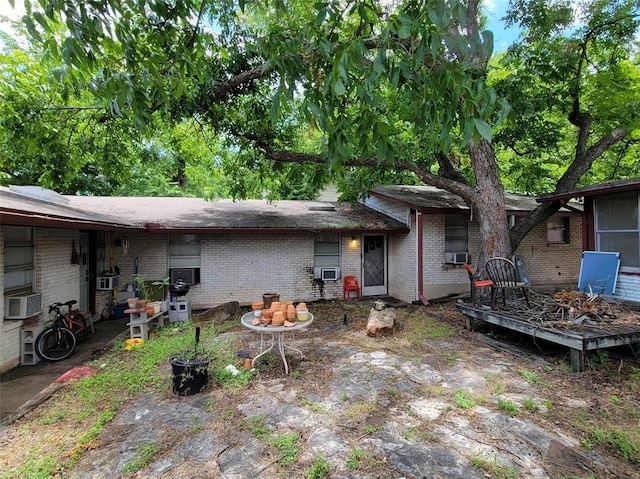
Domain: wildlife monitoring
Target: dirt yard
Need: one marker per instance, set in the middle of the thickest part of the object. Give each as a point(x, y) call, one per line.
point(599, 407)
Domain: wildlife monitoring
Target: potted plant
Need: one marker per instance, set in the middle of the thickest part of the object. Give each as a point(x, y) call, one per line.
point(141, 288)
point(190, 370)
point(164, 304)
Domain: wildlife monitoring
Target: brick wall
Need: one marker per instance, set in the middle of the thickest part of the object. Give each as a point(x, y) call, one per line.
point(402, 265)
point(241, 266)
point(55, 277)
point(549, 265)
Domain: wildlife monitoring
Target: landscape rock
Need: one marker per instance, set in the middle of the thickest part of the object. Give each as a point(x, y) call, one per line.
point(381, 323)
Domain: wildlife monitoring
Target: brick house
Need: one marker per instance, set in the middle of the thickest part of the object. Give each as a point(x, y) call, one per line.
point(406, 242)
point(611, 222)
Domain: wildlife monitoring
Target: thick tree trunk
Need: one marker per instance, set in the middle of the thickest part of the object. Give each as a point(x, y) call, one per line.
point(488, 204)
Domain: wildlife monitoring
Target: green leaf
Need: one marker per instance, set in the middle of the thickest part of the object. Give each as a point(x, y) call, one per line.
point(339, 87)
point(483, 128)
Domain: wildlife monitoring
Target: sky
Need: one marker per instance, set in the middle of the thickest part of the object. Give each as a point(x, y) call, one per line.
point(502, 37)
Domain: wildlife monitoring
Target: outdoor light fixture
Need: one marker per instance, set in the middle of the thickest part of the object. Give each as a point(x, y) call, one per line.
point(353, 240)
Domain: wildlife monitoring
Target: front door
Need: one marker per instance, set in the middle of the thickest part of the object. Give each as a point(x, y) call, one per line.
point(374, 265)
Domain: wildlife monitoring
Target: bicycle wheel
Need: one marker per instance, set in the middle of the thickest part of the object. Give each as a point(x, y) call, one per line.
point(55, 344)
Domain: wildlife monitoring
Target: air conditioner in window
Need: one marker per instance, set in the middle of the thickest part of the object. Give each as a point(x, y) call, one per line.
point(190, 276)
point(326, 274)
point(22, 307)
point(456, 258)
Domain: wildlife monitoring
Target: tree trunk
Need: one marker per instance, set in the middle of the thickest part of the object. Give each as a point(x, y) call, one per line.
point(488, 204)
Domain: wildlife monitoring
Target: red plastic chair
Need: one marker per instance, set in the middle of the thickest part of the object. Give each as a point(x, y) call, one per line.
point(350, 284)
point(476, 283)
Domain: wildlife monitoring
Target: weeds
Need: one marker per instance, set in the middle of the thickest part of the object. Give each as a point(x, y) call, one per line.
point(464, 399)
point(287, 447)
point(355, 458)
point(319, 468)
point(144, 454)
point(508, 406)
point(530, 405)
point(494, 468)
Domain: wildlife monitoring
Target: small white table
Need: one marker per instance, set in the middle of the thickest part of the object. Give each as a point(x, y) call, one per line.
point(277, 336)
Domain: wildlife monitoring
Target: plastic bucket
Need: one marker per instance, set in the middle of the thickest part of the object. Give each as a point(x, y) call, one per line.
point(189, 376)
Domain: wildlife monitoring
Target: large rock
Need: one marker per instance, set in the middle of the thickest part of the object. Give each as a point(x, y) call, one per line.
point(381, 323)
point(218, 314)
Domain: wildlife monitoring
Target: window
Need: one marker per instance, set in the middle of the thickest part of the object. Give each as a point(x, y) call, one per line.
point(456, 234)
point(618, 227)
point(326, 251)
point(558, 229)
point(184, 258)
point(18, 259)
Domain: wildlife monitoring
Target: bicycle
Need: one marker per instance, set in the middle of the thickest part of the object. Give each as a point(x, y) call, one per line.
point(60, 340)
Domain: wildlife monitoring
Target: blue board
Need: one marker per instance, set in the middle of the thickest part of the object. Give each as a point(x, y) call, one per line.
point(599, 272)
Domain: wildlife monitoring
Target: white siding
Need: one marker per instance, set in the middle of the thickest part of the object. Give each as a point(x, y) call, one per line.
point(389, 208)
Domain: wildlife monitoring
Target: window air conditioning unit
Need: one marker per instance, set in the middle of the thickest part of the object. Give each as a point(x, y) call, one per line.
point(456, 258)
point(22, 307)
point(326, 274)
point(190, 276)
point(329, 274)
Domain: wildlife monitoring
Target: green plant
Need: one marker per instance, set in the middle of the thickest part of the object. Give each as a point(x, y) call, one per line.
point(319, 468)
point(141, 287)
point(144, 454)
point(464, 399)
point(498, 388)
point(164, 282)
point(355, 457)
point(530, 376)
point(530, 404)
point(369, 430)
point(508, 406)
point(494, 468)
point(287, 447)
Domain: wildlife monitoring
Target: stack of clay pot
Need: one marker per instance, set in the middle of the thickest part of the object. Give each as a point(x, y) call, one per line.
point(278, 318)
point(279, 313)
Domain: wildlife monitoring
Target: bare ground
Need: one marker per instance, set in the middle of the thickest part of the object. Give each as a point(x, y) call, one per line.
point(600, 407)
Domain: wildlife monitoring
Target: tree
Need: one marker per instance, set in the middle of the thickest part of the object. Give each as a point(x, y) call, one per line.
point(397, 87)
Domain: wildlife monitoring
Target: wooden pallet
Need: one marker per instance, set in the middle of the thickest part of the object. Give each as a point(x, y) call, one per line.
point(579, 339)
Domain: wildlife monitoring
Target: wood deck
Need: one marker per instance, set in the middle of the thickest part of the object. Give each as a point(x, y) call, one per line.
point(578, 339)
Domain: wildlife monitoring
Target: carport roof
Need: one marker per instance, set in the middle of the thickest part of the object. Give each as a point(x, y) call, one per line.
point(429, 199)
point(35, 206)
point(608, 187)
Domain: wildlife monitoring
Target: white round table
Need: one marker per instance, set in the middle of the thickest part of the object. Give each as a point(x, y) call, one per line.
point(277, 336)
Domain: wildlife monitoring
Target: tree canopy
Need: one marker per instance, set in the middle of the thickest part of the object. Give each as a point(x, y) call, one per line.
point(403, 90)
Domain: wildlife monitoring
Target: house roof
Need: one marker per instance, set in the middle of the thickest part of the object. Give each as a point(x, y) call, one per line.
point(196, 214)
point(608, 187)
point(36, 206)
point(429, 199)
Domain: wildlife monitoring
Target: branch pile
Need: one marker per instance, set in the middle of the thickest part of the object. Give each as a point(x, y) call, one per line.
point(573, 308)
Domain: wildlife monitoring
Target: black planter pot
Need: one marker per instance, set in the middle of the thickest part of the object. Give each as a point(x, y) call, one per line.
point(189, 376)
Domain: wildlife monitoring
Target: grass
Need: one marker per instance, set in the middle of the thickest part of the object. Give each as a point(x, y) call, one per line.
point(494, 468)
point(83, 409)
point(144, 454)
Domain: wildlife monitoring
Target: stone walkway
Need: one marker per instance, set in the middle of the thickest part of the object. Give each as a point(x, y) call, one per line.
point(399, 414)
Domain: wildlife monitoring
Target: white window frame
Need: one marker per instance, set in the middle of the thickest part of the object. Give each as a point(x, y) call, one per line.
point(630, 230)
point(326, 250)
point(19, 241)
point(453, 233)
point(558, 230)
point(184, 253)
